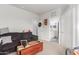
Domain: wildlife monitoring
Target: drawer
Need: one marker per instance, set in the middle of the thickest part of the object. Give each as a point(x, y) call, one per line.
point(32, 49)
point(27, 51)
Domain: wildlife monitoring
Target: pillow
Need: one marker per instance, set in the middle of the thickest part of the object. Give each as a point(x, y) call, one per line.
point(0, 40)
point(6, 39)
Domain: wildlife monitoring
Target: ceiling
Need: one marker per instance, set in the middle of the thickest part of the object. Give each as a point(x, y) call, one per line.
point(39, 8)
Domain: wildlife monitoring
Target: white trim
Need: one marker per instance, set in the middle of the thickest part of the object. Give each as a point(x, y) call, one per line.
point(74, 17)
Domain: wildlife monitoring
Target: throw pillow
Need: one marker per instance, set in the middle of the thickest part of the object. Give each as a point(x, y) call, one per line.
point(6, 39)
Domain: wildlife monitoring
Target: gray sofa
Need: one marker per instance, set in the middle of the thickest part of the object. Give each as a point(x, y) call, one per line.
point(15, 37)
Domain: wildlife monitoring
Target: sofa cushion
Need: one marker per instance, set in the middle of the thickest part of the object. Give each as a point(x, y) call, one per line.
point(27, 35)
point(15, 37)
point(8, 46)
point(6, 39)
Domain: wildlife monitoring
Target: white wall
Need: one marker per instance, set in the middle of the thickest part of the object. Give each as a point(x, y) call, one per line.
point(74, 16)
point(44, 31)
point(66, 27)
point(16, 19)
point(77, 14)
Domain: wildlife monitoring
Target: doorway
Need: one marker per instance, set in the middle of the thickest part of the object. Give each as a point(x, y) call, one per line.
point(54, 29)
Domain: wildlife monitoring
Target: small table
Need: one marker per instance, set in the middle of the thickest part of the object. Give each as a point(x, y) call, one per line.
point(31, 48)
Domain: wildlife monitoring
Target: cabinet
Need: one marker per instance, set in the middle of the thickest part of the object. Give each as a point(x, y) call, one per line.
point(31, 50)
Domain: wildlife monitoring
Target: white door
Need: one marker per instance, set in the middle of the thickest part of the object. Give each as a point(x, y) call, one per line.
point(65, 26)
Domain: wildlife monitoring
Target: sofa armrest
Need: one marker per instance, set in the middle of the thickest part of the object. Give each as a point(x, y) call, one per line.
point(34, 37)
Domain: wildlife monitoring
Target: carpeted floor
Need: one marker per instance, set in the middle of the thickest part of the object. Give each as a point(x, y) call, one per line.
point(52, 48)
point(49, 48)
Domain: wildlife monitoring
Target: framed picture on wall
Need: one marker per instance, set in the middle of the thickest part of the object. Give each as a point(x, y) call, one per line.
point(39, 24)
point(45, 21)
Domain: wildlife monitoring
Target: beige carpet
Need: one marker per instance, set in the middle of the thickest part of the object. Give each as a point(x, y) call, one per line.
point(52, 48)
point(49, 48)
